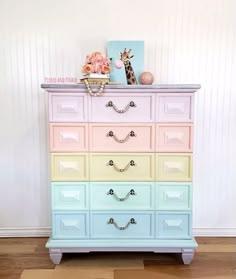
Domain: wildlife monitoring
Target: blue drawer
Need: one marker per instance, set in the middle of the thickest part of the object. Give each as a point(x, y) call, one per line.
point(173, 196)
point(70, 224)
point(122, 195)
point(69, 195)
point(174, 225)
point(115, 224)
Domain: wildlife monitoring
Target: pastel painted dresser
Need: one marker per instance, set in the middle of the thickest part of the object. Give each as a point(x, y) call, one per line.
point(121, 169)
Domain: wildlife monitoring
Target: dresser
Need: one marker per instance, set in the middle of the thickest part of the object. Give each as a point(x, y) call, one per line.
point(121, 169)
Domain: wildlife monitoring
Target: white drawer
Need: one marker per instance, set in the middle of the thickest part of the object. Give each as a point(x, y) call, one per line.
point(174, 107)
point(136, 107)
point(68, 107)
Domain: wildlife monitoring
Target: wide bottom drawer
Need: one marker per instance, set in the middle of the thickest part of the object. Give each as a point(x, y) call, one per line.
point(122, 225)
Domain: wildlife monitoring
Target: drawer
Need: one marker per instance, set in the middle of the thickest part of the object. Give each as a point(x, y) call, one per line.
point(122, 137)
point(122, 196)
point(70, 225)
point(68, 107)
point(122, 225)
point(173, 167)
point(174, 137)
point(68, 137)
point(173, 196)
point(123, 107)
point(122, 167)
point(69, 167)
point(69, 196)
point(173, 225)
point(174, 107)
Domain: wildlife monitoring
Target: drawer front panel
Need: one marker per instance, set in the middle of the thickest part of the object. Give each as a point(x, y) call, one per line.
point(122, 167)
point(68, 107)
point(175, 108)
point(173, 225)
point(122, 137)
point(174, 167)
point(70, 225)
point(68, 137)
point(121, 196)
point(174, 137)
point(174, 196)
point(123, 108)
point(69, 167)
point(69, 196)
point(122, 225)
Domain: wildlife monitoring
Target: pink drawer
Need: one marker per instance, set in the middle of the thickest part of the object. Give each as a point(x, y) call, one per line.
point(122, 137)
point(174, 137)
point(123, 107)
point(68, 137)
point(68, 107)
point(174, 107)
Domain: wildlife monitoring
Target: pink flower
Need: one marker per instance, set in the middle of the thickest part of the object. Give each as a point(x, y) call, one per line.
point(105, 69)
point(96, 62)
point(87, 68)
point(88, 58)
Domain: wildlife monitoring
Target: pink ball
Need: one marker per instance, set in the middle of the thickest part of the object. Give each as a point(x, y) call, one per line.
point(146, 78)
point(118, 64)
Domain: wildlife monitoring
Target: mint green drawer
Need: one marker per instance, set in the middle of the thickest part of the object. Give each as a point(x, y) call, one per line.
point(122, 195)
point(69, 195)
point(173, 196)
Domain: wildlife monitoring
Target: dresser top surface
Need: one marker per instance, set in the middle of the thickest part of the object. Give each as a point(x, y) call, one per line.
point(132, 88)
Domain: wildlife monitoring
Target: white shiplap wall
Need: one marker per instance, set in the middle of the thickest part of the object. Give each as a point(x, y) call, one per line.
point(186, 41)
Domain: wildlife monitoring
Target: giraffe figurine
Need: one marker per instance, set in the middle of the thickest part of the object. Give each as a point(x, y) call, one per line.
point(125, 58)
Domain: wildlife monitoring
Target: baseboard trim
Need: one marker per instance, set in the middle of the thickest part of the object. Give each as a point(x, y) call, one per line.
point(215, 232)
point(46, 231)
point(25, 232)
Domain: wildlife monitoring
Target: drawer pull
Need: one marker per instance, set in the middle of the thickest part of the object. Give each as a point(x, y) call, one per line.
point(130, 134)
point(112, 221)
point(110, 104)
point(131, 163)
point(111, 192)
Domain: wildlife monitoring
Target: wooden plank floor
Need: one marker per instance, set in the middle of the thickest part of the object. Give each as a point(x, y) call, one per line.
point(28, 258)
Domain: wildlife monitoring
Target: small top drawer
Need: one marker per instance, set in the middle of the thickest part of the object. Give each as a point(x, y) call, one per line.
point(68, 107)
point(123, 107)
point(174, 107)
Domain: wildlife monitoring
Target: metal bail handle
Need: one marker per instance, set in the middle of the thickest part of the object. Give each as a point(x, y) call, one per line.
point(131, 221)
point(130, 104)
point(130, 134)
point(131, 163)
point(112, 193)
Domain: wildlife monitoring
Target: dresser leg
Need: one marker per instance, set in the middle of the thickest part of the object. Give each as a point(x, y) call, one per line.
point(55, 255)
point(187, 255)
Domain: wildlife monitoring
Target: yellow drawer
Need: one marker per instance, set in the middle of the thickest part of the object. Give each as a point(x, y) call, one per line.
point(122, 167)
point(69, 167)
point(173, 167)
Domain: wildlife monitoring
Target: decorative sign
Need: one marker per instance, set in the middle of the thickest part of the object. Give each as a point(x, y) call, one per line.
point(127, 61)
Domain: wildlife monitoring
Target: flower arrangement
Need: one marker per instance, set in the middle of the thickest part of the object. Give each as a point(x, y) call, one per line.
point(96, 63)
